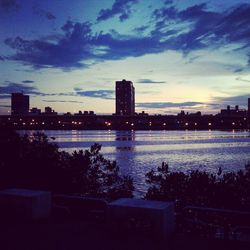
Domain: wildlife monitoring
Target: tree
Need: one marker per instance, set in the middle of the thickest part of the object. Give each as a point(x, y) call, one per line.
point(197, 188)
point(35, 162)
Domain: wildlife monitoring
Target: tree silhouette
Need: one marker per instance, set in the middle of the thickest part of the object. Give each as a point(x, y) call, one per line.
point(36, 162)
point(229, 190)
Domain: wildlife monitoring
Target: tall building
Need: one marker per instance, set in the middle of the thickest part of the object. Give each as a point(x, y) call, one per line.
point(248, 108)
point(125, 98)
point(19, 104)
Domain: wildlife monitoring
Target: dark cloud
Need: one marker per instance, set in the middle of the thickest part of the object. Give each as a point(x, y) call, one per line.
point(185, 30)
point(141, 29)
point(149, 81)
point(122, 47)
point(27, 81)
point(11, 87)
point(5, 106)
point(43, 13)
point(71, 101)
point(77, 46)
point(233, 100)
point(2, 58)
point(103, 94)
point(4, 96)
point(122, 8)
point(159, 105)
point(206, 28)
point(9, 5)
point(199, 27)
point(242, 80)
point(68, 26)
point(168, 2)
point(66, 53)
point(77, 89)
point(238, 70)
point(166, 13)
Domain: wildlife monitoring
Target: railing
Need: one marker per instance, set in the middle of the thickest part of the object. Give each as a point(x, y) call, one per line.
point(79, 207)
point(212, 223)
point(215, 223)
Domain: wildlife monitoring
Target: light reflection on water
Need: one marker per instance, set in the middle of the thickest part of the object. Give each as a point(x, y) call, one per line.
point(136, 152)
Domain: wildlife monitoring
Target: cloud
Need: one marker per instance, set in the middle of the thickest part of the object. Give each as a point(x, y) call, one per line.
point(43, 13)
point(159, 105)
point(27, 81)
point(67, 52)
point(149, 81)
point(9, 5)
point(11, 87)
point(233, 100)
point(188, 29)
point(68, 26)
point(238, 70)
point(122, 8)
point(242, 80)
point(103, 94)
point(167, 2)
point(71, 101)
point(204, 28)
point(185, 31)
point(5, 106)
point(4, 96)
point(140, 29)
point(77, 47)
point(2, 58)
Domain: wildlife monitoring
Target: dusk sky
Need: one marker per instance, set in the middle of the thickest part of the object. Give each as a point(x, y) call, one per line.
point(181, 55)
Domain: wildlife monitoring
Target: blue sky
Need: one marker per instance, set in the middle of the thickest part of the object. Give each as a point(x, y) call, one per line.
point(192, 55)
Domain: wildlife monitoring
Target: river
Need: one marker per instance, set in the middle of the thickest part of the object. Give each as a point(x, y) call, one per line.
point(137, 152)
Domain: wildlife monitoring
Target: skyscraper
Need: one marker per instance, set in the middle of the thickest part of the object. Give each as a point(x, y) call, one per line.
point(248, 108)
point(19, 104)
point(125, 98)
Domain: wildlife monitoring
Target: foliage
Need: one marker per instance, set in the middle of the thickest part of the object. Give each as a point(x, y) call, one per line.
point(35, 162)
point(229, 190)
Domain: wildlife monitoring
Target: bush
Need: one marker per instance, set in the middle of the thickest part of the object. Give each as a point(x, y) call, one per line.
point(197, 188)
point(35, 162)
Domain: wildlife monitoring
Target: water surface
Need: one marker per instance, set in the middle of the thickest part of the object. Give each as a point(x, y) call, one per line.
point(136, 152)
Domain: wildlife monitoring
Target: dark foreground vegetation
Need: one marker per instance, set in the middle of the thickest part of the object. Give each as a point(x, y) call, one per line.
point(37, 163)
point(227, 191)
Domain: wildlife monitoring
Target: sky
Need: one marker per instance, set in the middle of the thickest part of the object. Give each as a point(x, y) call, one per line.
point(191, 55)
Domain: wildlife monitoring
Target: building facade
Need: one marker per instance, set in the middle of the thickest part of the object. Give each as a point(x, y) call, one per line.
point(125, 98)
point(233, 112)
point(248, 107)
point(19, 104)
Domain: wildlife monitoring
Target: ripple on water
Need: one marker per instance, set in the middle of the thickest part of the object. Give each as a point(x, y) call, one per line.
point(136, 152)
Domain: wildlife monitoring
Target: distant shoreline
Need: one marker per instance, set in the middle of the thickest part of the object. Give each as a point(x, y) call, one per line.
point(137, 122)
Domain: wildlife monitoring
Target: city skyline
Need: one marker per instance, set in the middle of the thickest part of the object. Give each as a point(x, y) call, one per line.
point(124, 105)
point(191, 56)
